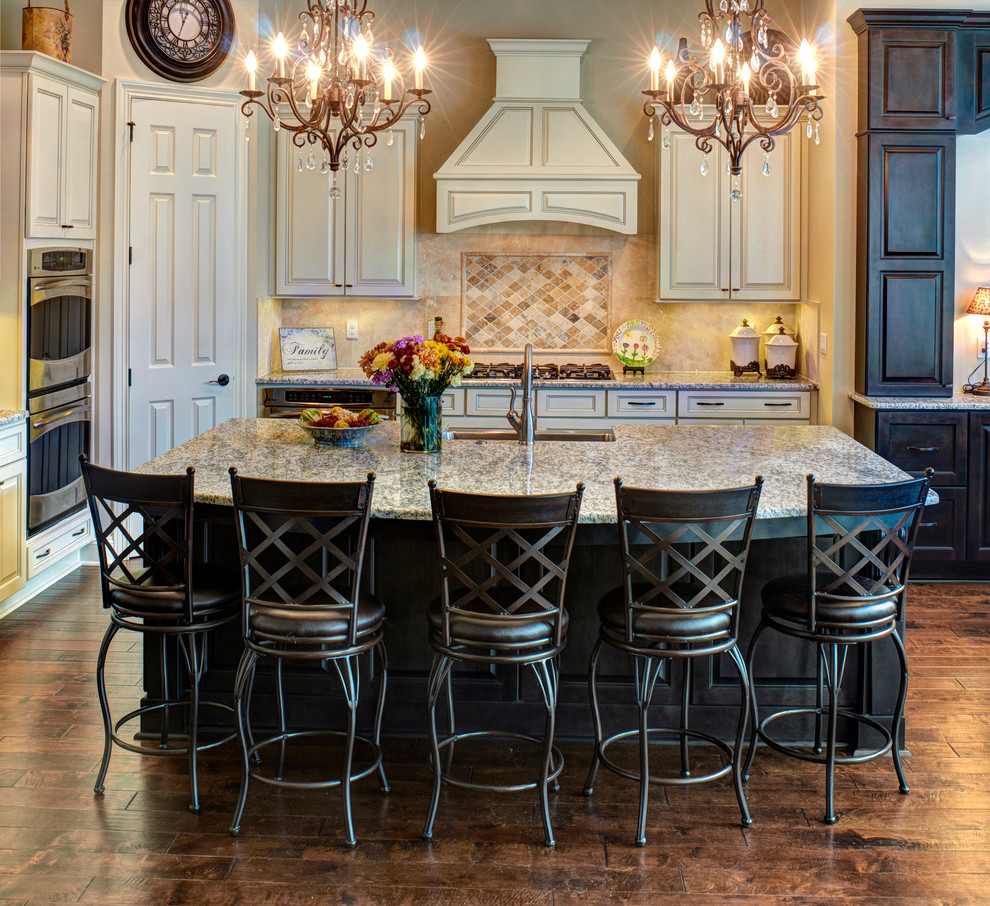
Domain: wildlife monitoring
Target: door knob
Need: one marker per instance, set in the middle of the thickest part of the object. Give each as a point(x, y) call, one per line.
point(223, 380)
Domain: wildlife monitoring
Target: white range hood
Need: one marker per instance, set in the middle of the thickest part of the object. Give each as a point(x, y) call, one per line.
point(537, 154)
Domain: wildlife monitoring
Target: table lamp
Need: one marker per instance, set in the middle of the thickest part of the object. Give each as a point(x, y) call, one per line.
point(981, 306)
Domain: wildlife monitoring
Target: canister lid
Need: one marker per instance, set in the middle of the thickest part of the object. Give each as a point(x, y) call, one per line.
point(780, 339)
point(744, 331)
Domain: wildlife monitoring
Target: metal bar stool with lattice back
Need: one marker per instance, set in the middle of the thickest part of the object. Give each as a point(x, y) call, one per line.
point(503, 569)
point(302, 547)
point(683, 560)
point(150, 584)
point(860, 541)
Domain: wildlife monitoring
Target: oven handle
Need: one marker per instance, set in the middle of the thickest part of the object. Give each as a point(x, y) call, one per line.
point(48, 422)
point(43, 288)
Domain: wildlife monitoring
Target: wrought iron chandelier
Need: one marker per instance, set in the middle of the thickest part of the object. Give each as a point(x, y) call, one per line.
point(745, 89)
point(338, 90)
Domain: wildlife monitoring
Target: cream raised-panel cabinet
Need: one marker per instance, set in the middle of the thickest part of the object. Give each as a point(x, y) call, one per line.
point(63, 125)
point(363, 243)
point(13, 509)
point(713, 248)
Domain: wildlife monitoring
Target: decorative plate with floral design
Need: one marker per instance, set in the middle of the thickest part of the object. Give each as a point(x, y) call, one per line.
point(636, 344)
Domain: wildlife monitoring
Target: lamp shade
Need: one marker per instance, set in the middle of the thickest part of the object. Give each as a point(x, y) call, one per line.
point(981, 302)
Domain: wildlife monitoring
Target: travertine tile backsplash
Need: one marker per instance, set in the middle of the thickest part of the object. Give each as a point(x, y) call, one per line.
point(694, 336)
point(552, 301)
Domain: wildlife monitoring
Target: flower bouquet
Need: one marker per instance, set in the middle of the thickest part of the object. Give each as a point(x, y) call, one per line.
point(420, 370)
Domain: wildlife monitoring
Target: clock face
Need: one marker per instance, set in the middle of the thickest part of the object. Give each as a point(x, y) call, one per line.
point(183, 40)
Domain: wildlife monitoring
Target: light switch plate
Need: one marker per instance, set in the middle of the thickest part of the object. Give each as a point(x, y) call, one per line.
point(352, 329)
point(823, 343)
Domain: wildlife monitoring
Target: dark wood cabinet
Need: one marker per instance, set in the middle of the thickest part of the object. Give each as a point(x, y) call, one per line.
point(978, 523)
point(974, 78)
point(905, 264)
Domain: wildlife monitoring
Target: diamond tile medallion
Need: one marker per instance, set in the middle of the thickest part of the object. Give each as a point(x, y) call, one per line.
point(551, 301)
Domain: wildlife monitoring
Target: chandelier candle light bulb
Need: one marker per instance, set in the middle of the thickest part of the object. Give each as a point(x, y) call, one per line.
point(280, 49)
point(671, 73)
point(251, 65)
point(419, 62)
point(655, 69)
point(388, 73)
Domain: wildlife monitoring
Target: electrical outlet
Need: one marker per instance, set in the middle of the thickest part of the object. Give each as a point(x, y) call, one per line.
point(981, 348)
point(823, 343)
point(352, 329)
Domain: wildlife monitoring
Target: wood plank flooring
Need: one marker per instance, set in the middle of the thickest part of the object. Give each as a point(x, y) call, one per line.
point(139, 844)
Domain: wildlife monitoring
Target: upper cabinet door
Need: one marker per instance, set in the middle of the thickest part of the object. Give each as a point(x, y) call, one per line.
point(309, 246)
point(61, 160)
point(692, 234)
point(381, 219)
point(912, 79)
point(46, 157)
point(766, 224)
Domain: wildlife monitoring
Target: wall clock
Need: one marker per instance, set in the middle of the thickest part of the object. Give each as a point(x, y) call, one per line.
point(182, 40)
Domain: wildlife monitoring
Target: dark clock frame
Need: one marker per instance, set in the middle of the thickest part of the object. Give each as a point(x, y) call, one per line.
point(136, 20)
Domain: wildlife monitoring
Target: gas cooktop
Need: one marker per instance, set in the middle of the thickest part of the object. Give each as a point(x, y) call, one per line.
point(545, 372)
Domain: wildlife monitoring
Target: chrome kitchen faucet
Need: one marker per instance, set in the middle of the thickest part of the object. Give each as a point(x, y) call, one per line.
point(524, 424)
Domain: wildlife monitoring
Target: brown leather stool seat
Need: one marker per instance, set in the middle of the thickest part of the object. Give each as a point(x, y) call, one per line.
point(481, 632)
point(214, 591)
point(673, 621)
point(787, 599)
point(319, 619)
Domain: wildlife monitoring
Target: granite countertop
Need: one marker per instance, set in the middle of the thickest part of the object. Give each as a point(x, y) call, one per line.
point(956, 401)
point(12, 416)
point(685, 457)
point(653, 380)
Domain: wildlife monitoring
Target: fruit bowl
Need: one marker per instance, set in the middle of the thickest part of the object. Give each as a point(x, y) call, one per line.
point(338, 437)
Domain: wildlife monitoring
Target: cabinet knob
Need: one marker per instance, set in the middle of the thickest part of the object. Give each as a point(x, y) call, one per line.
point(43, 554)
point(927, 524)
point(924, 449)
point(701, 403)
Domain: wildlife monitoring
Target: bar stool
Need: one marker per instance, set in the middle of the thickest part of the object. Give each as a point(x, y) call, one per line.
point(684, 556)
point(302, 550)
point(860, 541)
point(150, 585)
point(503, 568)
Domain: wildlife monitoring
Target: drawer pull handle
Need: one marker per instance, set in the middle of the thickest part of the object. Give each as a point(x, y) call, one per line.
point(710, 404)
point(777, 404)
point(81, 531)
point(924, 449)
point(927, 524)
point(635, 403)
point(43, 554)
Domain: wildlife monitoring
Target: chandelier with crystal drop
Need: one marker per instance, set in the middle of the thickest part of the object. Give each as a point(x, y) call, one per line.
point(744, 89)
point(338, 89)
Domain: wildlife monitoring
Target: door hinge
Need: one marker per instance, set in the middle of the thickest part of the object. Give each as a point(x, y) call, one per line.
point(130, 126)
point(130, 255)
point(128, 377)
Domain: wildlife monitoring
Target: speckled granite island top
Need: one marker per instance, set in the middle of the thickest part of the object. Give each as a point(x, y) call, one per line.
point(956, 401)
point(686, 457)
point(12, 416)
point(652, 380)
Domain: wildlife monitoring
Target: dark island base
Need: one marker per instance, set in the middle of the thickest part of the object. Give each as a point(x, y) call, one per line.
point(402, 562)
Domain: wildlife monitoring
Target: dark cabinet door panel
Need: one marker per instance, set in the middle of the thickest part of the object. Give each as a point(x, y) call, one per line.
point(974, 81)
point(978, 540)
point(912, 79)
point(912, 216)
point(916, 346)
point(915, 441)
point(942, 535)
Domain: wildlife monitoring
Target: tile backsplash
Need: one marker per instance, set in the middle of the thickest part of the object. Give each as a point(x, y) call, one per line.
point(694, 336)
point(555, 302)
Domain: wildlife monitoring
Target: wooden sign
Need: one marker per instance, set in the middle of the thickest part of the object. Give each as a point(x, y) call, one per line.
point(307, 349)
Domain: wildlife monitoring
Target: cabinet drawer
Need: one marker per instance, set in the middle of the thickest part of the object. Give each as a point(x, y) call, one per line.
point(49, 547)
point(570, 403)
point(453, 401)
point(742, 404)
point(490, 402)
point(942, 533)
point(914, 441)
point(628, 404)
point(12, 443)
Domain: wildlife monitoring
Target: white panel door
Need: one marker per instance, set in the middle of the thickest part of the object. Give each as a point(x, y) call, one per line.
point(79, 185)
point(46, 157)
point(183, 226)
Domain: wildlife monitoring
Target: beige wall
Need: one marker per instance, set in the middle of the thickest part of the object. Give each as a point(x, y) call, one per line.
point(87, 28)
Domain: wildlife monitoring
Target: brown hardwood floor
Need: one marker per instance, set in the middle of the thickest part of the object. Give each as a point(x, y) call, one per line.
point(139, 844)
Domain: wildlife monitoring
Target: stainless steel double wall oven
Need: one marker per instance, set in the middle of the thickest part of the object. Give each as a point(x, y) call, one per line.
point(60, 400)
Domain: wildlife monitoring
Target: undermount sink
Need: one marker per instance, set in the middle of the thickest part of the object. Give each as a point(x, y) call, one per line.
point(495, 434)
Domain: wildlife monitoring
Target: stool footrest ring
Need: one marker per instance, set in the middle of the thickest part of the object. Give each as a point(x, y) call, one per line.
point(376, 760)
point(667, 731)
point(167, 750)
point(793, 751)
point(556, 762)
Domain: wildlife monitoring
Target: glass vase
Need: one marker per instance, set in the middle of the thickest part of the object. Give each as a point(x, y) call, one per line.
point(421, 426)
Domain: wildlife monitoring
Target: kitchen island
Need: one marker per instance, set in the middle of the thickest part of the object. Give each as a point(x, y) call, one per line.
point(402, 559)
